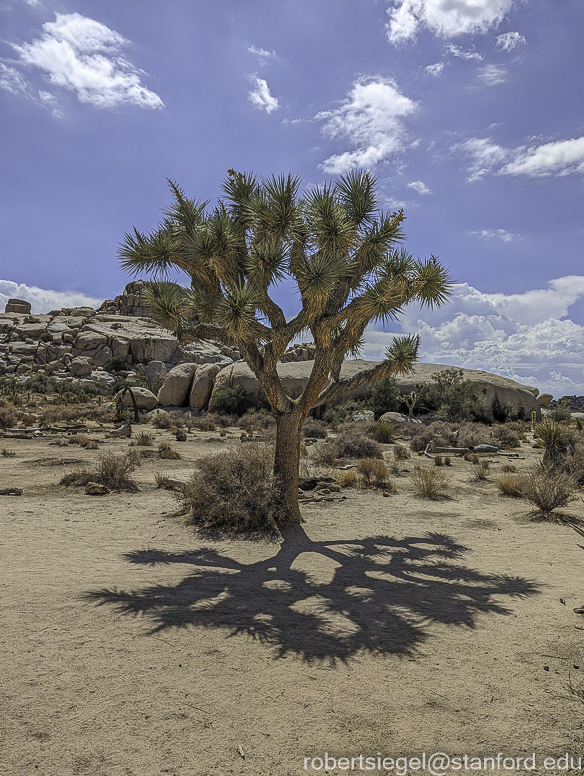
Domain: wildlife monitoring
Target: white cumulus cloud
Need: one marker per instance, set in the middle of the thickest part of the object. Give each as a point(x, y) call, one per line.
point(444, 18)
point(420, 187)
point(560, 157)
point(83, 56)
point(43, 300)
point(509, 40)
point(527, 336)
point(261, 97)
point(372, 120)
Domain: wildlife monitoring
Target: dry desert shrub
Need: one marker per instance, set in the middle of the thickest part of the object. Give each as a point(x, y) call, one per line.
point(447, 460)
point(507, 436)
point(438, 460)
point(373, 472)
point(400, 453)
point(473, 434)
point(144, 439)
point(315, 429)
point(161, 479)
point(430, 482)
point(508, 468)
point(8, 418)
point(256, 422)
point(384, 432)
point(351, 443)
point(8, 453)
point(481, 471)
point(234, 491)
point(548, 489)
point(347, 478)
point(161, 420)
point(573, 462)
point(166, 451)
point(202, 423)
point(111, 470)
point(510, 484)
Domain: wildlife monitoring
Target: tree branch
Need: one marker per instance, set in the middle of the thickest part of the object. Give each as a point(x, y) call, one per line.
point(381, 371)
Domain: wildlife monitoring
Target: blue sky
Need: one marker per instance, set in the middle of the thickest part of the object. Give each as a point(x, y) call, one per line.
point(470, 113)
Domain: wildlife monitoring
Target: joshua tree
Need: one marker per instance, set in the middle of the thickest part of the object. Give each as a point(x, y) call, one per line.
point(334, 244)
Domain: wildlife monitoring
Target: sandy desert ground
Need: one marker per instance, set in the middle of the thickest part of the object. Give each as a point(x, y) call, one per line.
point(384, 627)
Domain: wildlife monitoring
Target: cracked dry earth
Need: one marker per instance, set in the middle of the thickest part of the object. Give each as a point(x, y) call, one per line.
point(131, 647)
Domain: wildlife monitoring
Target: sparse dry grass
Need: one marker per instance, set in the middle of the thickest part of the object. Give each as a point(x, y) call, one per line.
point(482, 471)
point(166, 451)
point(510, 484)
point(373, 472)
point(430, 482)
point(144, 439)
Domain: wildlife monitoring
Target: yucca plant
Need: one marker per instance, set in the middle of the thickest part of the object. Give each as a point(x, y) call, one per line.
point(556, 440)
point(335, 247)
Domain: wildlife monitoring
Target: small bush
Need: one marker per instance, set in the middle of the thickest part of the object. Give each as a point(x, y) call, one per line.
point(325, 454)
point(506, 436)
point(548, 489)
point(384, 396)
point(231, 401)
point(508, 469)
point(481, 471)
point(111, 470)
point(400, 453)
point(430, 482)
point(450, 396)
point(447, 460)
point(82, 440)
point(355, 445)
point(167, 452)
point(161, 479)
point(162, 420)
point(8, 453)
point(347, 478)
point(144, 439)
point(562, 412)
point(510, 484)
point(315, 429)
point(373, 471)
point(257, 422)
point(8, 418)
point(201, 424)
point(234, 491)
point(384, 432)
point(438, 460)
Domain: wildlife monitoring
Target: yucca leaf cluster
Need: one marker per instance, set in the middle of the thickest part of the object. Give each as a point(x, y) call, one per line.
point(342, 252)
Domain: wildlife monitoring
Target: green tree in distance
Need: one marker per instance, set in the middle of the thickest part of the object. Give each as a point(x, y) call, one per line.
point(340, 251)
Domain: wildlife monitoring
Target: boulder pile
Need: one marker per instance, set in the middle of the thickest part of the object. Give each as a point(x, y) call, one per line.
point(86, 346)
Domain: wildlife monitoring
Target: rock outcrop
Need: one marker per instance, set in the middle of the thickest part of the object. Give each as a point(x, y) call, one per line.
point(17, 306)
point(78, 344)
point(495, 391)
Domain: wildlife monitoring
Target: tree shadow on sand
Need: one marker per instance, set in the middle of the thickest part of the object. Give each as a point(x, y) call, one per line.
point(377, 594)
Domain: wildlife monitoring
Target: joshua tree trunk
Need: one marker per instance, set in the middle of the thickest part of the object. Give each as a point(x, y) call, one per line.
point(287, 461)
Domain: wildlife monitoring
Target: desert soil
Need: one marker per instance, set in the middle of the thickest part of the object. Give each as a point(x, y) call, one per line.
point(132, 647)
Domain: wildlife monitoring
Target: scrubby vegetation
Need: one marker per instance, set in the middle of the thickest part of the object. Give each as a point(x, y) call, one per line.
point(234, 491)
point(111, 470)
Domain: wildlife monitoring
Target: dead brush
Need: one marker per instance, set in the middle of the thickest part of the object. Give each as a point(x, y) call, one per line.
point(510, 484)
point(482, 471)
point(234, 491)
point(82, 440)
point(8, 453)
point(166, 451)
point(400, 453)
point(111, 470)
point(161, 479)
point(347, 478)
point(508, 469)
point(144, 439)
point(438, 460)
point(549, 489)
point(373, 472)
point(430, 482)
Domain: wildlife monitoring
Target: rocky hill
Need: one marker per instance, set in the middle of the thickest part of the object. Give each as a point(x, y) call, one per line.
point(85, 346)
